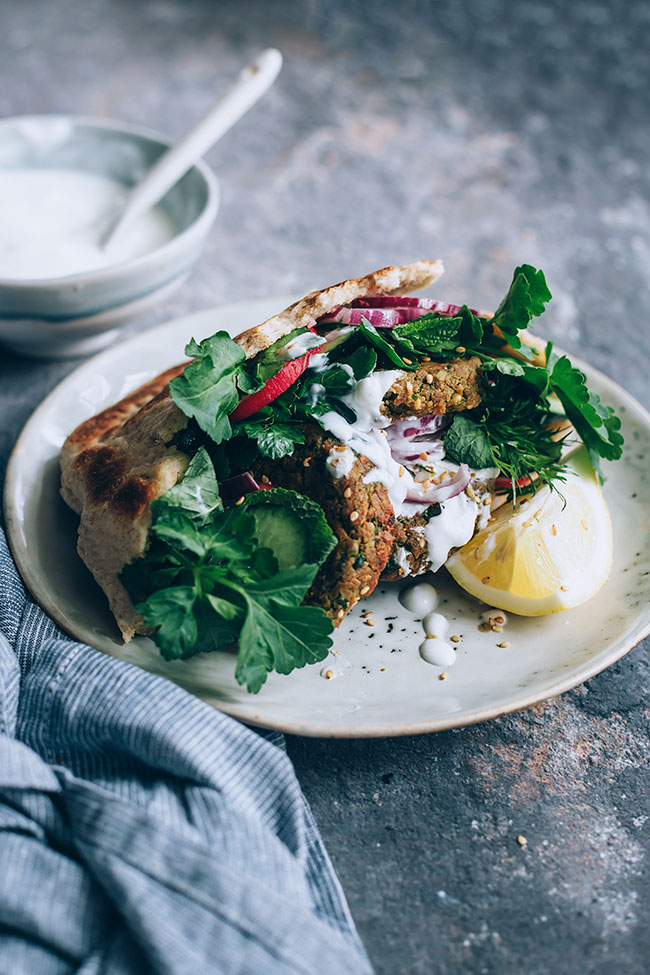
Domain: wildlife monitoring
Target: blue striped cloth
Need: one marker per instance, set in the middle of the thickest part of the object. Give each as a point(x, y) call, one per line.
point(141, 831)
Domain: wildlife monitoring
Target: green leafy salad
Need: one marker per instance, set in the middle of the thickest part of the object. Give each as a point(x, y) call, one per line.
point(228, 563)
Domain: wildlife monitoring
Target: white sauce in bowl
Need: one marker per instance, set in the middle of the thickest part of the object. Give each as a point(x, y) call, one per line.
point(51, 222)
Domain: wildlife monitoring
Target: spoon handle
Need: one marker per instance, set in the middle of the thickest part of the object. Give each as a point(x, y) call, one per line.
point(252, 83)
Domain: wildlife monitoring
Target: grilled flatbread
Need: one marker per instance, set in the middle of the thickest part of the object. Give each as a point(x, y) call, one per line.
point(116, 463)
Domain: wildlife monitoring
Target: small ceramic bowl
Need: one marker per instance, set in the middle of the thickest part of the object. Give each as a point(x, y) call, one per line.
point(82, 313)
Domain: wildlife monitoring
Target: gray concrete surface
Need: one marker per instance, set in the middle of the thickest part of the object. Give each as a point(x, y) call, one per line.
point(487, 133)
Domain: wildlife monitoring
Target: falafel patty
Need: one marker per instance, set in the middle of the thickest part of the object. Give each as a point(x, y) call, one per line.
point(434, 388)
point(360, 515)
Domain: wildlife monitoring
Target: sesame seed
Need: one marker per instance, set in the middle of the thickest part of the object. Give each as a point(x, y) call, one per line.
point(423, 543)
point(504, 644)
point(454, 638)
point(457, 399)
point(553, 530)
point(564, 588)
point(497, 629)
point(371, 622)
point(460, 349)
point(431, 636)
point(426, 358)
point(584, 524)
point(443, 675)
point(240, 500)
point(340, 614)
point(354, 516)
point(443, 475)
point(469, 491)
point(424, 455)
point(429, 378)
point(522, 840)
point(409, 362)
point(382, 669)
point(485, 580)
point(417, 403)
point(401, 471)
point(499, 619)
point(486, 502)
point(306, 462)
point(347, 493)
point(364, 590)
point(426, 484)
point(409, 387)
point(329, 674)
point(527, 524)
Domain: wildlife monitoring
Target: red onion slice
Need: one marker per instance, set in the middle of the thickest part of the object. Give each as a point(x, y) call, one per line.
point(449, 488)
point(235, 487)
point(409, 438)
point(386, 311)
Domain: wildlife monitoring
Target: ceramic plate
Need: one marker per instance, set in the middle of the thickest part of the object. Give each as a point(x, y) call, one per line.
point(384, 688)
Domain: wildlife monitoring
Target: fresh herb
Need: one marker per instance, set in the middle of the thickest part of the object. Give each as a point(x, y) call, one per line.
point(596, 424)
point(393, 350)
point(525, 299)
point(440, 335)
point(211, 578)
point(265, 365)
point(467, 442)
point(208, 389)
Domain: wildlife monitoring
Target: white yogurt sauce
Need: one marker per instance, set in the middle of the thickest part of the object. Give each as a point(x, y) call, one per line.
point(435, 624)
point(300, 345)
point(452, 527)
point(437, 652)
point(340, 462)
point(497, 615)
point(51, 221)
point(419, 599)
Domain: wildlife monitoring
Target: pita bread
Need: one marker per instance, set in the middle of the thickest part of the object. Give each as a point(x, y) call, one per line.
point(116, 463)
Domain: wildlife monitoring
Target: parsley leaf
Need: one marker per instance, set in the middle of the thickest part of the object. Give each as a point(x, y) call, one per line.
point(212, 577)
point(208, 388)
point(596, 424)
point(526, 297)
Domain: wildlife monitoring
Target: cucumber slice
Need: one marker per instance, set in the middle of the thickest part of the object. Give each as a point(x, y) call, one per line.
point(280, 530)
point(292, 526)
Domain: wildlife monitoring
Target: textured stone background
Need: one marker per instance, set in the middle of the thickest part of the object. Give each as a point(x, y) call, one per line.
point(488, 133)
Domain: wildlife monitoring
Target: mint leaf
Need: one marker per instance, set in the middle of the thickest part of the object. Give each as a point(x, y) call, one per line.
point(274, 440)
point(198, 491)
point(467, 442)
point(207, 389)
point(440, 335)
point(526, 298)
point(373, 336)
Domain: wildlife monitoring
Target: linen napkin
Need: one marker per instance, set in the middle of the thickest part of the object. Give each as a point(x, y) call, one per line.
point(141, 831)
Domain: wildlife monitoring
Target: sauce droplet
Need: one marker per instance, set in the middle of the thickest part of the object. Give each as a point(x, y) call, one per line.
point(419, 599)
point(435, 624)
point(437, 652)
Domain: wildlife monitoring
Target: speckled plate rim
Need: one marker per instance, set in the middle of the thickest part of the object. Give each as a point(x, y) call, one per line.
point(250, 714)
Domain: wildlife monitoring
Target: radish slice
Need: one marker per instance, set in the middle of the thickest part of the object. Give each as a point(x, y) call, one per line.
point(274, 387)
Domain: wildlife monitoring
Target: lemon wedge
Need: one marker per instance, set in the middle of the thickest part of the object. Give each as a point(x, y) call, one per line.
point(544, 555)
